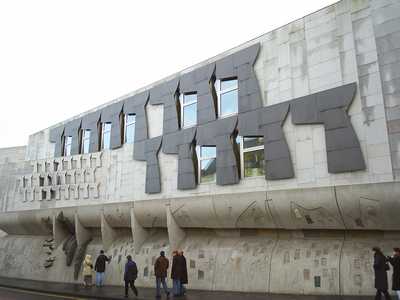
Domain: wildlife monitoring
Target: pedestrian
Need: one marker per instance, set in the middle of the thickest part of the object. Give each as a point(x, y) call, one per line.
point(176, 272)
point(395, 262)
point(184, 275)
point(130, 276)
point(100, 268)
point(87, 271)
point(380, 268)
point(160, 271)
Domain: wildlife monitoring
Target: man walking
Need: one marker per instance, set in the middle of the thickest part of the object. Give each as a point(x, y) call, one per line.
point(184, 273)
point(160, 271)
point(100, 268)
point(130, 276)
point(176, 272)
point(395, 262)
point(380, 268)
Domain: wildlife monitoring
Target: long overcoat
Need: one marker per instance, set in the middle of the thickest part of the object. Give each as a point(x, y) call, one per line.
point(380, 268)
point(395, 262)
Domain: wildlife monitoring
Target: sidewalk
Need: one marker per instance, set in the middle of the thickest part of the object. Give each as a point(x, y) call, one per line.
point(117, 292)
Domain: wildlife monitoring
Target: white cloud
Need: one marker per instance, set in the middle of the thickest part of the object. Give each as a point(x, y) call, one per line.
point(61, 58)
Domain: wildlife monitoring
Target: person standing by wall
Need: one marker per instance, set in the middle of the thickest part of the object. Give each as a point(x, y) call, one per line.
point(130, 276)
point(87, 271)
point(176, 274)
point(395, 262)
point(160, 271)
point(380, 268)
point(100, 268)
point(184, 275)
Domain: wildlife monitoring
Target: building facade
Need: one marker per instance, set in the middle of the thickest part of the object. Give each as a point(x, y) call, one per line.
point(275, 166)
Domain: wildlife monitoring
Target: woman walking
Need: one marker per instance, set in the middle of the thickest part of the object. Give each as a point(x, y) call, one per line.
point(87, 271)
point(380, 268)
point(395, 262)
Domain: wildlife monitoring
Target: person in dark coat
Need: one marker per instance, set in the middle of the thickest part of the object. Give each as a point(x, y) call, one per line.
point(100, 268)
point(395, 262)
point(176, 274)
point(160, 271)
point(184, 275)
point(380, 268)
point(130, 276)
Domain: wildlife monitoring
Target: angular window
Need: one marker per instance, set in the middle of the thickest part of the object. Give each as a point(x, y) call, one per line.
point(207, 163)
point(67, 145)
point(130, 122)
point(252, 150)
point(227, 93)
point(106, 135)
point(85, 141)
point(188, 104)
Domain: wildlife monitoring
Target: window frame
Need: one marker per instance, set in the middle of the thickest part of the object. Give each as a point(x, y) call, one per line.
point(245, 150)
point(219, 92)
point(182, 106)
point(83, 139)
point(67, 145)
point(102, 135)
point(126, 126)
point(200, 159)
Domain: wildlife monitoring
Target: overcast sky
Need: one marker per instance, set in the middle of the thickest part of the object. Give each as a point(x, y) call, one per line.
point(61, 58)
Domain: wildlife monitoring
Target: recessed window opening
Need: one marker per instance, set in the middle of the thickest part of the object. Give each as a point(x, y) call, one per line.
point(188, 105)
point(106, 135)
point(207, 163)
point(227, 93)
point(41, 181)
point(130, 123)
point(67, 145)
point(85, 141)
point(252, 156)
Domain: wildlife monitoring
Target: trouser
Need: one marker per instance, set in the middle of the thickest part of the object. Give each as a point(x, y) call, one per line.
point(379, 294)
point(161, 281)
point(132, 284)
point(176, 287)
point(100, 278)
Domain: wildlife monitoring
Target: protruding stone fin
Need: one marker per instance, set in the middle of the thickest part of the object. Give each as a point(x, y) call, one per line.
point(108, 234)
point(139, 233)
point(82, 233)
point(175, 233)
point(60, 233)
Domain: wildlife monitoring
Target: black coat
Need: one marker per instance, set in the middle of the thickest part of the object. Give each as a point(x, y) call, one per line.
point(100, 265)
point(395, 262)
point(380, 267)
point(179, 269)
point(184, 278)
point(131, 271)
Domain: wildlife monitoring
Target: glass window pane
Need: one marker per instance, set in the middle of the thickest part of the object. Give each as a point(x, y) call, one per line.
point(229, 84)
point(254, 163)
point(130, 134)
point(206, 151)
point(249, 142)
point(190, 115)
point(229, 103)
point(107, 127)
point(86, 144)
point(208, 170)
point(130, 118)
point(86, 134)
point(189, 98)
point(106, 140)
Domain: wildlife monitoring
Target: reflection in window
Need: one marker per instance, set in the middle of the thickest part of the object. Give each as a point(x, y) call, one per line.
point(253, 156)
point(188, 104)
point(227, 92)
point(130, 122)
point(208, 163)
point(85, 142)
point(67, 145)
point(106, 135)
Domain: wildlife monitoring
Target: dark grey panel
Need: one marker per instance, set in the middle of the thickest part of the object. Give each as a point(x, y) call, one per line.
point(112, 113)
point(330, 108)
point(72, 129)
point(165, 94)
point(153, 177)
point(137, 105)
point(90, 122)
point(220, 134)
point(199, 81)
point(240, 65)
point(55, 136)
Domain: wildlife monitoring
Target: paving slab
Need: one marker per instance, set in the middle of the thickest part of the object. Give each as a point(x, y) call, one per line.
point(117, 292)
